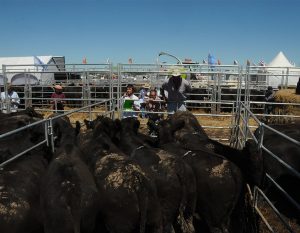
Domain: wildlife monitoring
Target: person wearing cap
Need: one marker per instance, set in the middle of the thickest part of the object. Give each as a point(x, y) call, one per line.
point(269, 97)
point(13, 98)
point(143, 95)
point(174, 92)
point(153, 104)
point(58, 96)
point(144, 91)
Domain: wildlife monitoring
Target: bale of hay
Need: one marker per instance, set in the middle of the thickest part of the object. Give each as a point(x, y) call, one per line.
point(287, 96)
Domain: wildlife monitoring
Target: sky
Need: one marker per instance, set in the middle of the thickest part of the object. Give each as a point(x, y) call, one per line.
point(139, 29)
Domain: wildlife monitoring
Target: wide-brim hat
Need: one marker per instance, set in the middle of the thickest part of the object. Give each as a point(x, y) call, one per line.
point(176, 73)
point(146, 85)
point(58, 87)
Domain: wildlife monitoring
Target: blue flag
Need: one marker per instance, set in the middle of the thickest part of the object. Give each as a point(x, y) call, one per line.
point(211, 60)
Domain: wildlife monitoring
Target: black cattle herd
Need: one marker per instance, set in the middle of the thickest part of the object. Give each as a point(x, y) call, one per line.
point(111, 178)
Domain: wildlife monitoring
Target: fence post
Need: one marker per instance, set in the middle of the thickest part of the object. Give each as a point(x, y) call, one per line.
point(86, 93)
point(50, 134)
point(113, 109)
point(27, 92)
point(219, 94)
point(111, 89)
point(119, 90)
point(261, 136)
point(5, 85)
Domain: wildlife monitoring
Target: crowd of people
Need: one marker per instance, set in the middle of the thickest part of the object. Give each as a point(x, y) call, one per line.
point(151, 102)
point(13, 98)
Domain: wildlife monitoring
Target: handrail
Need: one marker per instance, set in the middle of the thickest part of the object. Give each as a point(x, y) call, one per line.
point(297, 205)
point(47, 129)
point(22, 153)
point(261, 146)
point(258, 190)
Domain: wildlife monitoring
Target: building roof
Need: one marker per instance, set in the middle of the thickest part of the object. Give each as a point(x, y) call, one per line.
point(33, 66)
point(26, 61)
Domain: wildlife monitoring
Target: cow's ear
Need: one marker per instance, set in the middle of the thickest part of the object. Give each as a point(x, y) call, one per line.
point(85, 122)
point(77, 128)
point(177, 125)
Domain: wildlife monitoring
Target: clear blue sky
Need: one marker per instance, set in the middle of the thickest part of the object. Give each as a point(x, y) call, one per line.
point(119, 29)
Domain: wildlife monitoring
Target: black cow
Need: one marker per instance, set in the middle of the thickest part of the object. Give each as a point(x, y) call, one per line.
point(20, 179)
point(289, 153)
point(19, 195)
point(192, 136)
point(69, 196)
point(284, 149)
point(28, 112)
point(215, 175)
point(128, 199)
point(174, 180)
point(22, 140)
point(62, 126)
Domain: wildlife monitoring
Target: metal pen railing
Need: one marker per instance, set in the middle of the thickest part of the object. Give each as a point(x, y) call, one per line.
point(241, 137)
point(48, 131)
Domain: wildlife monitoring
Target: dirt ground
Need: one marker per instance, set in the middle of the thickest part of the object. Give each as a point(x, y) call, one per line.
point(274, 221)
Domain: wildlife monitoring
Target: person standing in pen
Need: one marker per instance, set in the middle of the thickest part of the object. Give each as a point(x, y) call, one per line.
point(58, 99)
point(133, 102)
point(13, 98)
point(174, 91)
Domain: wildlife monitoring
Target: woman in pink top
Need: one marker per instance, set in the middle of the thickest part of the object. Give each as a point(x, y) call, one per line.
point(58, 96)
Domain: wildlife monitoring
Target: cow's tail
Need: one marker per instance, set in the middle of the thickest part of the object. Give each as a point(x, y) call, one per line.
point(184, 220)
point(244, 218)
point(144, 207)
point(143, 200)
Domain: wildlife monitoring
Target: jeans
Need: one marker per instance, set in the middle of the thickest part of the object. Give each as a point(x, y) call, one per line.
point(269, 109)
point(176, 106)
point(129, 114)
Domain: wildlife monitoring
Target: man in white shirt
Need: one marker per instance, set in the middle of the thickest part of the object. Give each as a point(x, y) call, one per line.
point(13, 98)
point(129, 106)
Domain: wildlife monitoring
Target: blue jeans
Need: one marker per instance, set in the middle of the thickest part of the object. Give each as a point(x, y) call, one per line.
point(129, 114)
point(173, 107)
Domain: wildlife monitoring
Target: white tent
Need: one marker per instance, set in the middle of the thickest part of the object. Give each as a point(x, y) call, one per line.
point(21, 70)
point(280, 60)
point(282, 72)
